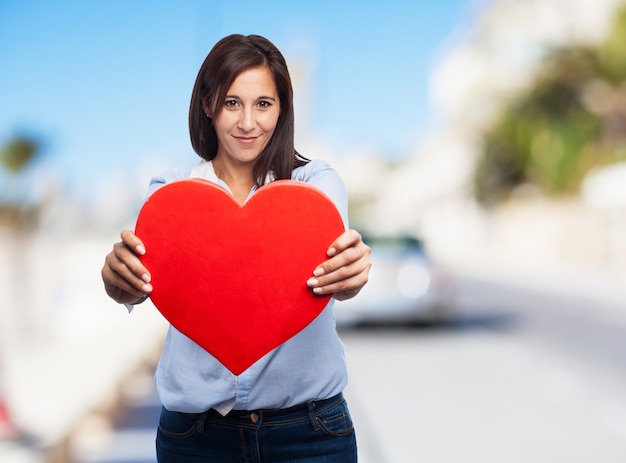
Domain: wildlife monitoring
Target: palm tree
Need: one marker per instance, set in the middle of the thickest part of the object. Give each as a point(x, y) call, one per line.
point(18, 221)
point(15, 157)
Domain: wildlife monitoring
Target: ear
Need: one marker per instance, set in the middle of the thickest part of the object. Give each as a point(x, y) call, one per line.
point(207, 111)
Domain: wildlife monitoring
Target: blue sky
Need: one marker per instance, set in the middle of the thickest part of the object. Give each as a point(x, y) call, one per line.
point(107, 84)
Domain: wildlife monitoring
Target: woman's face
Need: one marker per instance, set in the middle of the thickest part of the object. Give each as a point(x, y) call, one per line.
point(246, 120)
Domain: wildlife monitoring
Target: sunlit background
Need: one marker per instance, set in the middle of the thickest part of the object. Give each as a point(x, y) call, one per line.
point(493, 130)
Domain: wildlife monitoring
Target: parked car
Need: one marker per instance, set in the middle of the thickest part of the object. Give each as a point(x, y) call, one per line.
point(404, 285)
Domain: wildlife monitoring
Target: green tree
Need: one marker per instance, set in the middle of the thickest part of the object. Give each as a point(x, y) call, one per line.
point(571, 119)
point(15, 157)
point(19, 218)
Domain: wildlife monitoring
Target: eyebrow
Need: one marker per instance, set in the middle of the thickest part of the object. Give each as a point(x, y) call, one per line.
point(262, 97)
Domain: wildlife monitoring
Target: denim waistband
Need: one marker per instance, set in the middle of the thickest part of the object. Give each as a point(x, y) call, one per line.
point(277, 414)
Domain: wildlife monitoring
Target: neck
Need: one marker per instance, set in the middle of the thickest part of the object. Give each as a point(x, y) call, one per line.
point(239, 178)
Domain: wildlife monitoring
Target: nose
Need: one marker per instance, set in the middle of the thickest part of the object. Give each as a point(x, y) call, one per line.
point(247, 121)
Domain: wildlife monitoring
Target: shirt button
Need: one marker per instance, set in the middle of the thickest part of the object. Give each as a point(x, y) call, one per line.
point(254, 417)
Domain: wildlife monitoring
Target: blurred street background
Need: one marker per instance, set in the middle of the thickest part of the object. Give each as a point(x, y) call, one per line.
point(494, 131)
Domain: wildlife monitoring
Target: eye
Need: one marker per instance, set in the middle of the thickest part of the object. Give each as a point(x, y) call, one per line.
point(231, 103)
point(264, 104)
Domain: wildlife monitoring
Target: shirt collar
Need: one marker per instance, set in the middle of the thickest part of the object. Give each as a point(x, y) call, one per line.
point(204, 169)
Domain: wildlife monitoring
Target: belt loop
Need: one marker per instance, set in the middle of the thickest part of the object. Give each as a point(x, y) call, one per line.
point(201, 421)
point(315, 421)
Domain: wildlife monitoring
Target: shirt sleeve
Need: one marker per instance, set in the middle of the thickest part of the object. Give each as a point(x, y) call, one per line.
point(321, 175)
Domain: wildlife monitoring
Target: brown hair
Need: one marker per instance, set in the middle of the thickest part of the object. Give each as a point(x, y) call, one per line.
point(231, 56)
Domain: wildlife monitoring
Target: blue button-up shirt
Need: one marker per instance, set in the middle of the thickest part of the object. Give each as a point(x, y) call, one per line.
point(309, 366)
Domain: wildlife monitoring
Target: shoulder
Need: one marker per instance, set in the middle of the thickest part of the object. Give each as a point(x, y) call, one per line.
point(165, 177)
point(322, 175)
point(315, 170)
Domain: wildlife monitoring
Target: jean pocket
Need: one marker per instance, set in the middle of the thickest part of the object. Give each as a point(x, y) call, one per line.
point(179, 425)
point(335, 421)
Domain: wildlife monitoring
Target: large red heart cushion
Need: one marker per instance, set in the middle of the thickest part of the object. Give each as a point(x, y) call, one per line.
point(233, 278)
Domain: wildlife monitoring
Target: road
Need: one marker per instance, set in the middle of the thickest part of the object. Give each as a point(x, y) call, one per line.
point(518, 376)
point(521, 377)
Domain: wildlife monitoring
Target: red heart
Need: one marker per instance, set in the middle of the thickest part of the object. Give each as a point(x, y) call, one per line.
point(233, 278)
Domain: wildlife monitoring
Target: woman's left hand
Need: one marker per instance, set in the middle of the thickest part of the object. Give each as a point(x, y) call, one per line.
point(346, 270)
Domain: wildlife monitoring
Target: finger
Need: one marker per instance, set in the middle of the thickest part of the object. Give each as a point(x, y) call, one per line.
point(355, 274)
point(342, 259)
point(127, 267)
point(352, 284)
point(345, 240)
point(120, 290)
point(113, 279)
point(126, 256)
point(133, 242)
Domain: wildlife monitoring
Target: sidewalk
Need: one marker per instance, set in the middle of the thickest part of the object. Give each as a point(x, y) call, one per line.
point(68, 358)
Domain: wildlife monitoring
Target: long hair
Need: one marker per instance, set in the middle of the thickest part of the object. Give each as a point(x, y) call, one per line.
point(231, 56)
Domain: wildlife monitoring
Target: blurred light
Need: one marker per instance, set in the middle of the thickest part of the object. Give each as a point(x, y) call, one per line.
point(413, 281)
point(604, 187)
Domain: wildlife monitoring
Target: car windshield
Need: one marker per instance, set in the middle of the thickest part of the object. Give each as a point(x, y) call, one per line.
point(395, 243)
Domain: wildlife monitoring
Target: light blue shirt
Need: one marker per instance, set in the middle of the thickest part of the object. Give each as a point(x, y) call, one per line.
point(309, 366)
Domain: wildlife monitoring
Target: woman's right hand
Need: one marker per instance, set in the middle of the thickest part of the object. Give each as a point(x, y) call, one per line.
point(125, 278)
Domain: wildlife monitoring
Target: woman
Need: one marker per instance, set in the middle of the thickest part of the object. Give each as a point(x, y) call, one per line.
point(288, 406)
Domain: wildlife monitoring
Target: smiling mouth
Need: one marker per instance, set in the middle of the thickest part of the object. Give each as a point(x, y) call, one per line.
point(246, 140)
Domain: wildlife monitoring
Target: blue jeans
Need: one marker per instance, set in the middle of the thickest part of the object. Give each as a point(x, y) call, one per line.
point(316, 432)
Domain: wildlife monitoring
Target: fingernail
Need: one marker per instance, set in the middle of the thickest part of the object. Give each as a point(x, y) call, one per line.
point(146, 288)
point(317, 290)
point(140, 250)
point(145, 277)
point(312, 282)
point(331, 252)
point(318, 272)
